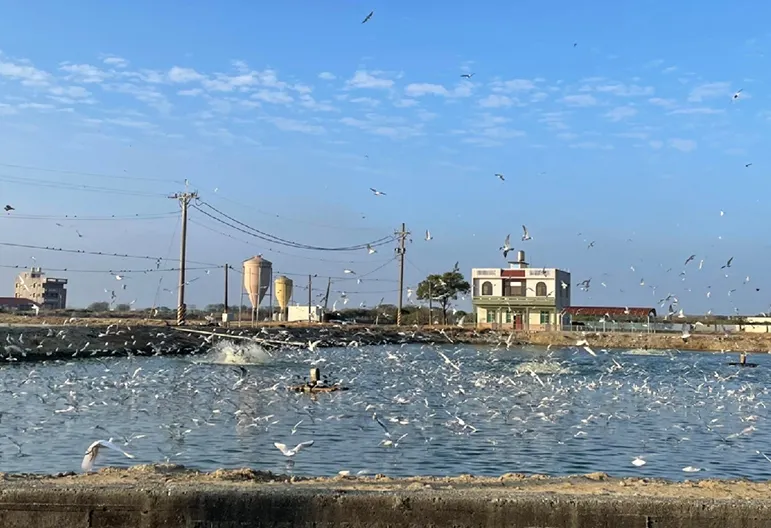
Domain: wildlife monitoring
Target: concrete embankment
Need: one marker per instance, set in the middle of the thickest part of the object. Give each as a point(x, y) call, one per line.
point(170, 497)
point(86, 338)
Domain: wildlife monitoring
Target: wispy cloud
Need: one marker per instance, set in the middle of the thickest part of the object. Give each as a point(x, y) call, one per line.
point(26, 74)
point(496, 101)
point(462, 89)
point(620, 113)
point(184, 75)
point(327, 76)
point(392, 127)
point(683, 145)
point(710, 91)
point(513, 85)
point(293, 125)
point(579, 100)
point(364, 79)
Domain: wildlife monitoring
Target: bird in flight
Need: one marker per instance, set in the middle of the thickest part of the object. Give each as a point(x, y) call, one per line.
point(93, 451)
point(748, 165)
point(500, 176)
point(8, 208)
point(525, 235)
point(736, 95)
point(370, 249)
point(689, 259)
point(296, 449)
point(727, 264)
point(506, 246)
point(376, 192)
point(366, 19)
point(467, 75)
point(428, 235)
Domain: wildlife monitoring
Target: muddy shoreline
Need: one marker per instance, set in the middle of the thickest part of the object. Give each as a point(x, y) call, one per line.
point(86, 338)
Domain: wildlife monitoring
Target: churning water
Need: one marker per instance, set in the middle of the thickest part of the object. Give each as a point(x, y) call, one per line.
point(475, 410)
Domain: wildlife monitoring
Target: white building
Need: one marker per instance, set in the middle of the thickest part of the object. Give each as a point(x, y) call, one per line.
point(301, 313)
point(520, 297)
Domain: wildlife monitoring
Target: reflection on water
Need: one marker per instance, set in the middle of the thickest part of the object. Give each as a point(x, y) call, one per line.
point(530, 411)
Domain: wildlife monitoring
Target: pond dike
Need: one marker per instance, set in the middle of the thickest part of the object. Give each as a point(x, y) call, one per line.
point(120, 339)
point(136, 498)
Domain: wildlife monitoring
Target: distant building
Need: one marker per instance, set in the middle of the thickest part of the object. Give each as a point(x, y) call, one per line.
point(300, 314)
point(520, 297)
point(612, 311)
point(15, 303)
point(44, 291)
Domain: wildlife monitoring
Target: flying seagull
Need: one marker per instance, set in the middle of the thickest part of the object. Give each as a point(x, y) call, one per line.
point(349, 272)
point(747, 165)
point(8, 208)
point(525, 235)
point(370, 249)
point(366, 19)
point(506, 246)
point(736, 95)
point(93, 451)
point(500, 176)
point(296, 449)
point(467, 75)
point(727, 264)
point(428, 235)
point(376, 192)
point(689, 259)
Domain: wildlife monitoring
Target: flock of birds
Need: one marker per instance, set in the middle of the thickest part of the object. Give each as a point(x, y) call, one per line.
point(438, 409)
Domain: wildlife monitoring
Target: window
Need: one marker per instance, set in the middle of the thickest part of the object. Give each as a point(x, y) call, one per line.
point(544, 316)
point(508, 316)
point(487, 289)
point(540, 289)
point(490, 316)
point(513, 288)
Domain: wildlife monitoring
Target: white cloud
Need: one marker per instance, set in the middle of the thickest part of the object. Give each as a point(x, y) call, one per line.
point(656, 144)
point(554, 120)
point(579, 100)
point(710, 91)
point(496, 101)
point(666, 103)
point(369, 101)
point(392, 127)
point(326, 76)
point(24, 73)
point(624, 90)
point(405, 103)
point(683, 145)
point(591, 145)
point(193, 92)
point(697, 111)
point(116, 62)
point(72, 92)
point(292, 125)
point(364, 79)
point(6, 109)
point(273, 97)
point(670, 69)
point(184, 75)
point(420, 89)
point(514, 85)
point(83, 73)
point(307, 101)
point(620, 113)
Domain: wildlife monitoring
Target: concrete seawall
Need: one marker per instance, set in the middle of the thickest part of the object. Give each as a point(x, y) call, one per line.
point(243, 498)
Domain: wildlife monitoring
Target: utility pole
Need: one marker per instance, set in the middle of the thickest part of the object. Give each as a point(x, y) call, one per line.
point(310, 298)
point(225, 309)
point(184, 200)
point(400, 252)
point(430, 305)
point(326, 297)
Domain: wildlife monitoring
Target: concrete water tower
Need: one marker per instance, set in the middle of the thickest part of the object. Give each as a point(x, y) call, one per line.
point(283, 292)
point(257, 275)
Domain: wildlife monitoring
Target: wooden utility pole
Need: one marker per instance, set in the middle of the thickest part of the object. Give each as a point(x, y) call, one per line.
point(225, 309)
point(184, 200)
point(400, 250)
point(326, 296)
point(310, 297)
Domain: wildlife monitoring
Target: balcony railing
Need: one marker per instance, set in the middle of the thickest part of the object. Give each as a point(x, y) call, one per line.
point(493, 300)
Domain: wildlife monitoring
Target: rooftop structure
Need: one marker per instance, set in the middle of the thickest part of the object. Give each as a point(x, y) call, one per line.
point(618, 311)
point(45, 292)
point(520, 297)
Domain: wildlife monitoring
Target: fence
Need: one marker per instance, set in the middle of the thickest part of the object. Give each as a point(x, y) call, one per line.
point(651, 328)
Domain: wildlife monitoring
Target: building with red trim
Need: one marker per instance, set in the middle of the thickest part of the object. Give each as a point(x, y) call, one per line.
point(520, 297)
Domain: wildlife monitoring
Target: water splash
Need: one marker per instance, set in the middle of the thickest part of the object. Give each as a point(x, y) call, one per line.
point(238, 353)
point(542, 367)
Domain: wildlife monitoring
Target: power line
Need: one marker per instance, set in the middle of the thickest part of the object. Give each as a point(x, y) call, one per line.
point(68, 186)
point(293, 255)
point(112, 271)
point(89, 174)
point(281, 241)
point(99, 253)
point(151, 216)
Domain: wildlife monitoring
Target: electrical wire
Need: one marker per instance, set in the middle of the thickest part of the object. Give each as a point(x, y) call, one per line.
point(70, 218)
point(100, 253)
point(90, 174)
point(340, 279)
point(271, 250)
point(281, 241)
point(68, 186)
point(112, 271)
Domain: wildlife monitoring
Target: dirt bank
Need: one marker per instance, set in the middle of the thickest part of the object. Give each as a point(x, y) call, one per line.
point(170, 497)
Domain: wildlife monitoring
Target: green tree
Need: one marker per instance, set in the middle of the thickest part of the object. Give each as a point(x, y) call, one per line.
point(123, 308)
point(444, 289)
point(99, 306)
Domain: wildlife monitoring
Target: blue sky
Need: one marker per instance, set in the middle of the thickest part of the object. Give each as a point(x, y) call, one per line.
point(283, 115)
